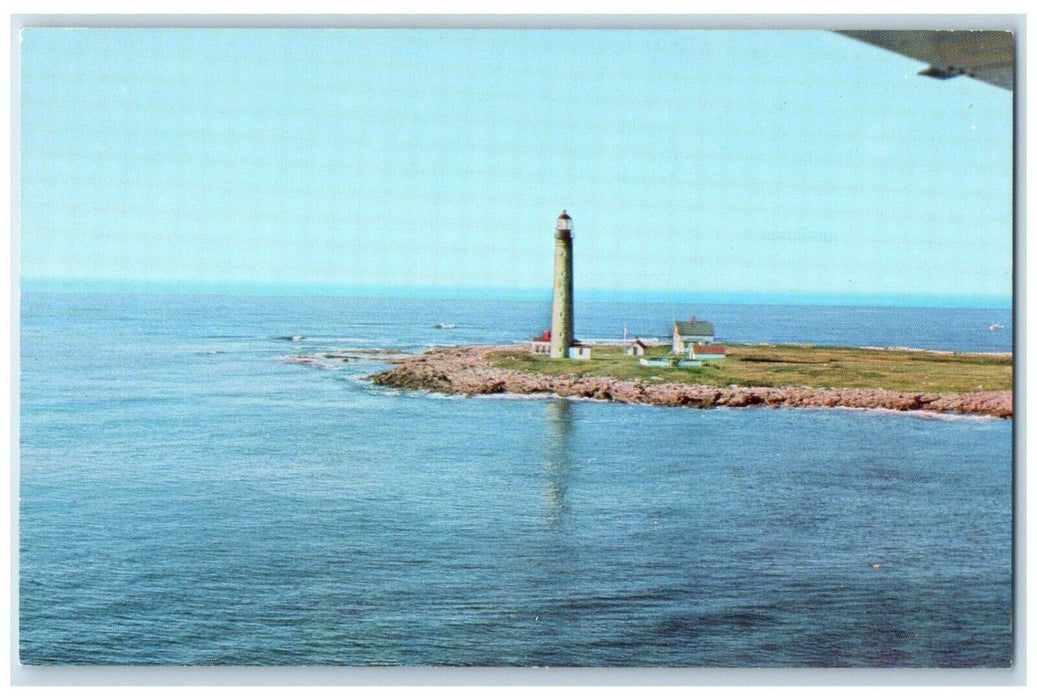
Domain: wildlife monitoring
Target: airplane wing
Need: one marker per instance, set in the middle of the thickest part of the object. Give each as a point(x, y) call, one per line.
point(984, 55)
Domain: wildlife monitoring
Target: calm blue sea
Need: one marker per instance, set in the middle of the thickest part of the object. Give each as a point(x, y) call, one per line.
point(188, 497)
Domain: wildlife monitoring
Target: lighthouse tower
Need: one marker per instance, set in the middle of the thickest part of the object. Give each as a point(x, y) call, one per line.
point(562, 303)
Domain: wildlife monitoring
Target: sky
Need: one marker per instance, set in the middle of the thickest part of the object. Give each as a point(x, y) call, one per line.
point(716, 162)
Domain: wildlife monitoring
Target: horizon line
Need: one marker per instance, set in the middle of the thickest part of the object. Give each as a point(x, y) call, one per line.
point(514, 293)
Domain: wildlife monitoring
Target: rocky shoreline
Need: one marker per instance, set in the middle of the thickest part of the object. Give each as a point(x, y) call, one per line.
point(465, 370)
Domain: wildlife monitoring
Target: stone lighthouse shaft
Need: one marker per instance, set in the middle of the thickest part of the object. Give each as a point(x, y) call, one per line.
point(562, 301)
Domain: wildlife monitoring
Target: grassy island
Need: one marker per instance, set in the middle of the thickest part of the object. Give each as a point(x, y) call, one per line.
point(792, 376)
point(787, 365)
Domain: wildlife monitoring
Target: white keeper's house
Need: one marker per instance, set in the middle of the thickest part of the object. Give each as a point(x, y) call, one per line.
point(693, 332)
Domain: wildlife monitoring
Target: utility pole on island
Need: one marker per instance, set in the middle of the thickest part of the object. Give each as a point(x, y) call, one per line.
point(562, 302)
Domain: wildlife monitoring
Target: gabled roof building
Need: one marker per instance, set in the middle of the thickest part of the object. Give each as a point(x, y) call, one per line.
point(637, 348)
point(693, 331)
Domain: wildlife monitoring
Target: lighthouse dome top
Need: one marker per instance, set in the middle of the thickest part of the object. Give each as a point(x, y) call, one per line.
point(565, 222)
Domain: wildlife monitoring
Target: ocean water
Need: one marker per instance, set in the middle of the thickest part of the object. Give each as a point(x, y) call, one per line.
point(189, 497)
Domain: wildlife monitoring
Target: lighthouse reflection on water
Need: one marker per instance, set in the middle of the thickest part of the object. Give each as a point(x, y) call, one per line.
point(558, 464)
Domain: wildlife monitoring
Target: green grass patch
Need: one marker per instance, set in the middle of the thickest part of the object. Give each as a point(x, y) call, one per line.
point(788, 365)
